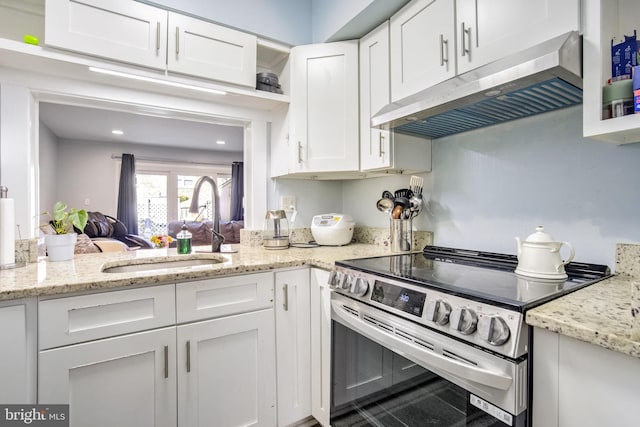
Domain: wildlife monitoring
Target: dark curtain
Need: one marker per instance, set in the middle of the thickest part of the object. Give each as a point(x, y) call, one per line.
point(237, 191)
point(127, 211)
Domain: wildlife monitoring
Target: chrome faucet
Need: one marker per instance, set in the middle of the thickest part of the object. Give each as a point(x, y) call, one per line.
point(216, 238)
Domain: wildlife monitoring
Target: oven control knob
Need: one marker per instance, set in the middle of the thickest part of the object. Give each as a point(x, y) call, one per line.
point(463, 320)
point(493, 329)
point(438, 311)
point(334, 279)
point(360, 287)
point(345, 283)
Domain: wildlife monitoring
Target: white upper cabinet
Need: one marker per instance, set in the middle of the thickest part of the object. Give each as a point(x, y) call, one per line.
point(433, 40)
point(492, 29)
point(203, 49)
point(604, 19)
point(123, 30)
point(382, 149)
point(132, 32)
point(324, 108)
point(422, 46)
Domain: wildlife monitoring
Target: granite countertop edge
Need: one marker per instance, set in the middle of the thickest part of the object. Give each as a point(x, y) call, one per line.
point(84, 272)
point(599, 314)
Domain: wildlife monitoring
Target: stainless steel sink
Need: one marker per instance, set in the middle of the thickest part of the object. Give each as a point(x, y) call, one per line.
point(145, 265)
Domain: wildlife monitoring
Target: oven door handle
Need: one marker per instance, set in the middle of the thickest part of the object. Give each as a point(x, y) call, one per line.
point(426, 358)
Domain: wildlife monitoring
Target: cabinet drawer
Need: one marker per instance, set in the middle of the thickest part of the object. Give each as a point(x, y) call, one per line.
point(222, 297)
point(76, 319)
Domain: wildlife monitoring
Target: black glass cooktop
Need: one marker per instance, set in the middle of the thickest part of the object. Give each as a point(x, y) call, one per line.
point(482, 276)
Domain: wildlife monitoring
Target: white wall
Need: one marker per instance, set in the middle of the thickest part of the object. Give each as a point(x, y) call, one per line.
point(492, 184)
point(87, 171)
point(335, 20)
point(312, 198)
point(48, 166)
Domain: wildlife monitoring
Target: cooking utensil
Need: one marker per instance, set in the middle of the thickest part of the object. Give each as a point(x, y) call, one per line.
point(386, 194)
point(539, 256)
point(416, 183)
point(403, 192)
point(397, 212)
point(385, 205)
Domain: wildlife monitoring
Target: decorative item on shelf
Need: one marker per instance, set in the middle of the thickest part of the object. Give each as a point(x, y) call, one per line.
point(161, 240)
point(268, 82)
point(61, 243)
point(636, 89)
point(624, 56)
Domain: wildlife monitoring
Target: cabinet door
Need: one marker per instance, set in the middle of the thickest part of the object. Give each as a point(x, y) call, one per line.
point(18, 352)
point(324, 102)
point(227, 371)
point(124, 381)
point(422, 46)
point(383, 149)
point(375, 146)
point(491, 29)
point(203, 49)
point(320, 346)
point(124, 30)
point(293, 343)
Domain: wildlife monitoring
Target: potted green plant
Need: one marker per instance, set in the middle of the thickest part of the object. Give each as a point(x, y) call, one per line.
point(61, 243)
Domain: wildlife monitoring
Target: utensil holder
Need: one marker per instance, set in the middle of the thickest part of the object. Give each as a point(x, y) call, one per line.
point(401, 235)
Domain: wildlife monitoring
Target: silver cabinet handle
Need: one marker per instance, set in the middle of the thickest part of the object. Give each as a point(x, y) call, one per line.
point(188, 356)
point(381, 141)
point(158, 36)
point(299, 152)
point(166, 361)
point(443, 43)
point(177, 40)
point(466, 41)
point(285, 299)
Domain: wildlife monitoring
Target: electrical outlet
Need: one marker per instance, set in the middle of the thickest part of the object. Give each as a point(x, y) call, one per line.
point(288, 203)
point(87, 202)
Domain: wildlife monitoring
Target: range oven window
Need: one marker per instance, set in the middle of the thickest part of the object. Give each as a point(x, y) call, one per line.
point(400, 298)
point(373, 386)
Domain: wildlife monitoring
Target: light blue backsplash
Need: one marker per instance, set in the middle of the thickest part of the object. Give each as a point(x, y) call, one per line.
point(490, 185)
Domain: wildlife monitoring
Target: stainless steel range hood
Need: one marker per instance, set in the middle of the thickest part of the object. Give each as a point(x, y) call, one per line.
point(544, 78)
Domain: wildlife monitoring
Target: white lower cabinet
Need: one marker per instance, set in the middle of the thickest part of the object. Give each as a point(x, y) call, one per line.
point(320, 295)
point(293, 345)
point(226, 371)
point(18, 352)
point(213, 366)
point(123, 381)
point(577, 384)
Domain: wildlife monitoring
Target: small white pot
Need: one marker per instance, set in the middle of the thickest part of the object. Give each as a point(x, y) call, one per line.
point(60, 247)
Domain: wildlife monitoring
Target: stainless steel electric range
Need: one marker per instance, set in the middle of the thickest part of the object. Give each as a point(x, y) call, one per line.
point(436, 338)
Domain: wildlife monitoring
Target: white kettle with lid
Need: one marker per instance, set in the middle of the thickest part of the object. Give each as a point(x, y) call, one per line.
point(539, 256)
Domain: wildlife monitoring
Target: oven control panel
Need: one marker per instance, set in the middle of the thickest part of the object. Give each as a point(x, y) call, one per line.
point(495, 328)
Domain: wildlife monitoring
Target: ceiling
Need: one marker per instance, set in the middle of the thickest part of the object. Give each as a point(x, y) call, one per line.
point(95, 125)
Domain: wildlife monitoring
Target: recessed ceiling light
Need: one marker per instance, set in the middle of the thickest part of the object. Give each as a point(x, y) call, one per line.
point(117, 132)
point(220, 142)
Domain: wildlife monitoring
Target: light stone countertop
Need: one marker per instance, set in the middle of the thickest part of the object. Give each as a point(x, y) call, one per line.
point(599, 314)
point(84, 272)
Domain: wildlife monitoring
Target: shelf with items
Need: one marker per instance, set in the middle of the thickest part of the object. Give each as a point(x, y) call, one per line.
point(604, 20)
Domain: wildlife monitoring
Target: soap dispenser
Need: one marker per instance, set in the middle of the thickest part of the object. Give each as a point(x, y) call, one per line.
point(184, 240)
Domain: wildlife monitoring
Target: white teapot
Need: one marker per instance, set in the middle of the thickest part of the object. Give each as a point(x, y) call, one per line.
point(539, 256)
